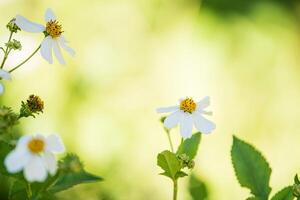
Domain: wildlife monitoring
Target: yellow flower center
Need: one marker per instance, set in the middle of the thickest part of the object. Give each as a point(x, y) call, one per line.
point(188, 105)
point(53, 28)
point(36, 146)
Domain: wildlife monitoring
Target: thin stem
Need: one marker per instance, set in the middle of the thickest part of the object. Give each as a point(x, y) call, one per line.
point(10, 189)
point(29, 191)
point(6, 52)
point(22, 63)
point(175, 190)
point(170, 140)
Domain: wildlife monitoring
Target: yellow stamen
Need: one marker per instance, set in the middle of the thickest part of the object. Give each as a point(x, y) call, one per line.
point(53, 28)
point(188, 105)
point(36, 145)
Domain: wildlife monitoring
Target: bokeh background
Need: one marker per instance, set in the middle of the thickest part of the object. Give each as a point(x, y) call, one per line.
point(136, 55)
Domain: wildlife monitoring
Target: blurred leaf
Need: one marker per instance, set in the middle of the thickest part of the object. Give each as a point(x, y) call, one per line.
point(190, 146)
point(170, 164)
point(251, 168)
point(284, 194)
point(67, 180)
point(197, 188)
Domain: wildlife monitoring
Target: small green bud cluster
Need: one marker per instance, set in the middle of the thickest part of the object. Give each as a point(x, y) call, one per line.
point(33, 105)
point(296, 187)
point(12, 26)
point(14, 44)
point(7, 119)
point(71, 163)
point(186, 161)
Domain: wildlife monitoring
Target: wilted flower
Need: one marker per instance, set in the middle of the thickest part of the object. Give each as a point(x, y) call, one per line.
point(187, 113)
point(33, 105)
point(53, 40)
point(4, 75)
point(35, 156)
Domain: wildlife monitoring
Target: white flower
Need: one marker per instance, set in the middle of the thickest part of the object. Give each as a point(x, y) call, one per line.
point(4, 75)
point(186, 114)
point(35, 155)
point(53, 41)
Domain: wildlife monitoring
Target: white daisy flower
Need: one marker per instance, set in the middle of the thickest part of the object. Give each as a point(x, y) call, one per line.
point(53, 41)
point(187, 114)
point(35, 156)
point(4, 75)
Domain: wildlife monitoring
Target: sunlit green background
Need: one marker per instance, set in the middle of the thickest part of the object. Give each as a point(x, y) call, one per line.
point(136, 55)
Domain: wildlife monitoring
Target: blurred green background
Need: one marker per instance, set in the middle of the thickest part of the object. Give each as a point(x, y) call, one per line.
point(136, 55)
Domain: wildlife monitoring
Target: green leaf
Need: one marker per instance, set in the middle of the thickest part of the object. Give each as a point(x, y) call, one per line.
point(67, 180)
point(251, 168)
point(169, 163)
point(284, 194)
point(197, 188)
point(190, 146)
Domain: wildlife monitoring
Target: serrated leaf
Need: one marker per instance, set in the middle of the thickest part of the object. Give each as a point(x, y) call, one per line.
point(251, 168)
point(169, 163)
point(67, 180)
point(190, 146)
point(197, 188)
point(284, 194)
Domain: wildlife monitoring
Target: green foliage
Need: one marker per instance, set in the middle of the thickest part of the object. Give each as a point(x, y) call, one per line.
point(197, 188)
point(284, 194)
point(7, 119)
point(170, 164)
point(251, 168)
point(190, 146)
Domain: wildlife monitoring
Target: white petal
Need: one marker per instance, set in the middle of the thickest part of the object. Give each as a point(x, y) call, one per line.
point(46, 49)
point(186, 125)
point(51, 163)
point(173, 119)
point(203, 103)
point(167, 109)
point(57, 52)
point(63, 43)
point(1, 89)
point(202, 124)
point(35, 170)
point(5, 75)
point(29, 26)
point(23, 142)
point(49, 15)
point(16, 160)
point(54, 144)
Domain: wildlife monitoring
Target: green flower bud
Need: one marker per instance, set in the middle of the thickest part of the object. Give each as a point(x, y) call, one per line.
point(191, 164)
point(71, 163)
point(12, 26)
point(33, 105)
point(14, 44)
point(7, 119)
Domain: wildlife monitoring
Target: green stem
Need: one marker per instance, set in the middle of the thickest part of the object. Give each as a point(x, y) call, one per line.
point(10, 189)
point(6, 52)
point(29, 191)
point(22, 63)
point(175, 190)
point(170, 140)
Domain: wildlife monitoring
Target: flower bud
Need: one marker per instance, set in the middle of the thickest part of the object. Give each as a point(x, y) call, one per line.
point(33, 105)
point(7, 119)
point(12, 26)
point(71, 163)
point(14, 44)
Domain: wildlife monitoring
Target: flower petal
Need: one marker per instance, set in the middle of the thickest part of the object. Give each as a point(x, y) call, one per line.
point(173, 119)
point(46, 49)
point(5, 75)
point(16, 160)
point(35, 170)
point(1, 89)
point(203, 103)
point(63, 43)
point(202, 124)
point(49, 15)
point(29, 26)
point(54, 144)
point(57, 52)
point(51, 164)
point(167, 109)
point(186, 125)
point(22, 142)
